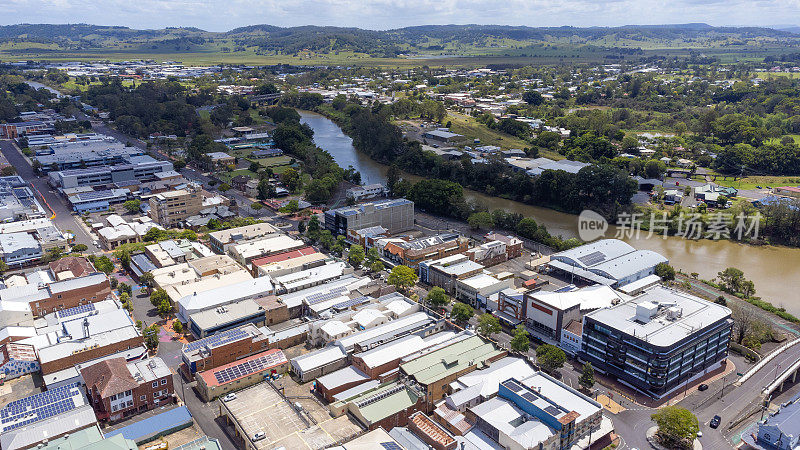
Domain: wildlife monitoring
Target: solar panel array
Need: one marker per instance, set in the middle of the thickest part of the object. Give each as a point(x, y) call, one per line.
point(592, 258)
point(94, 195)
point(69, 312)
point(511, 384)
point(352, 302)
point(391, 446)
point(38, 407)
point(325, 296)
point(248, 367)
point(217, 339)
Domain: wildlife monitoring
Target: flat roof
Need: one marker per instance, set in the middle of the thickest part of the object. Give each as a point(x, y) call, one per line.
point(394, 326)
point(693, 314)
point(589, 298)
point(242, 368)
point(318, 358)
point(232, 312)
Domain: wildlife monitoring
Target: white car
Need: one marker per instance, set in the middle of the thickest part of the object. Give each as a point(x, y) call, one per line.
point(229, 397)
point(259, 436)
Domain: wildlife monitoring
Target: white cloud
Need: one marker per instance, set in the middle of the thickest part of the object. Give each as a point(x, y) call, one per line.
point(221, 15)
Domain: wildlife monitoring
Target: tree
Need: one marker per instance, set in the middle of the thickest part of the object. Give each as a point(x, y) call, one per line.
point(355, 256)
point(373, 255)
point(665, 271)
point(301, 227)
point(254, 167)
point(488, 324)
point(731, 279)
point(8, 171)
point(164, 308)
point(392, 177)
point(520, 342)
point(151, 337)
point(147, 279)
point(402, 277)
point(103, 264)
point(462, 312)
point(3, 267)
point(744, 320)
point(550, 357)
point(158, 296)
point(376, 266)
point(265, 189)
point(80, 248)
point(132, 206)
point(437, 298)
point(677, 427)
point(123, 287)
point(480, 220)
point(177, 326)
point(533, 98)
point(124, 297)
point(587, 377)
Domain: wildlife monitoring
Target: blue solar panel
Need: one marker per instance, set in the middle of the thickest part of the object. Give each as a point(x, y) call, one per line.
point(351, 302)
point(391, 446)
point(217, 339)
point(39, 406)
point(76, 310)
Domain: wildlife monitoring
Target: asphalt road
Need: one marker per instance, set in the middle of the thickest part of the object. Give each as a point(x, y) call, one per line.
point(65, 219)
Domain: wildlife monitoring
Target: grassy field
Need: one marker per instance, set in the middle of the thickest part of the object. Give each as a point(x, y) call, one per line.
point(472, 129)
point(228, 176)
point(763, 181)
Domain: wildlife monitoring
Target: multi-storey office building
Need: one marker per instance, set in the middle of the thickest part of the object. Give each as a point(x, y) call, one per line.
point(657, 341)
point(171, 208)
point(395, 215)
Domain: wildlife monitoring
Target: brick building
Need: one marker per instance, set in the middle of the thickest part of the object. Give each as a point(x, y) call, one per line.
point(513, 244)
point(118, 389)
point(240, 374)
point(412, 253)
point(430, 432)
point(58, 295)
point(223, 348)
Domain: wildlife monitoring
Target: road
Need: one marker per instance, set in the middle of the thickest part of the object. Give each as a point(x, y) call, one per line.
point(65, 218)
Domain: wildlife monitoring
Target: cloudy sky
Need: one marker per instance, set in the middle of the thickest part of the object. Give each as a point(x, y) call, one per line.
point(222, 15)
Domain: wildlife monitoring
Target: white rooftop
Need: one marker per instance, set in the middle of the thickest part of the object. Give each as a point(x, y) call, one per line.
point(675, 315)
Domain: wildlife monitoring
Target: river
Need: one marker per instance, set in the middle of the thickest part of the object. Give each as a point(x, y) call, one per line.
point(37, 85)
point(774, 270)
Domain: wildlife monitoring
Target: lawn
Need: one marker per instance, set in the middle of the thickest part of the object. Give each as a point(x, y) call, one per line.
point(763, 181)
point(472, 129)
point(273, 161)
point(227, 176)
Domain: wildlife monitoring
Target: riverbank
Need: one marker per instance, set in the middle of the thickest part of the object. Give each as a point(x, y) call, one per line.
point(773, 269)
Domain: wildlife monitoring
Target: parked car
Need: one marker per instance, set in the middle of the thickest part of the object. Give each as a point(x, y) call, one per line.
point(699, 434)
point(702, 387)
point(229, 397)
point(259, 436)
point(715, 421)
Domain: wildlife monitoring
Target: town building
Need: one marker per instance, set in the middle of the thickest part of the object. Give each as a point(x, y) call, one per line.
point(52, 296)
point(240, 374)
point(118, 389)
point(780, 430)
point(222, 348)
point(442, 135)
point(547, 313)
point(658, 340)
point(222, 295)
point(386, 406)
point(432, 372)
point(244, 253)
point(541, 412)
point(137, 168)
point(394, 215)
point(171, 208)
point(36, 420)
point(444, 272)
point(17, 129)
point(288, 262)
point(340, 381)
point(369, 191)
point(221, 160)
point(381, 362)
point(477, 289)
point(220, 241)
point(411, 253)
point(226, 317)
point(609, 262)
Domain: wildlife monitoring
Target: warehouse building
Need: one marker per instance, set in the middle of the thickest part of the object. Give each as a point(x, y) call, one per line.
point(657, 341)
point(610, 262)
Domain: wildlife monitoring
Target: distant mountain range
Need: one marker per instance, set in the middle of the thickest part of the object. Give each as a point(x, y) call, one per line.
point(443, 39)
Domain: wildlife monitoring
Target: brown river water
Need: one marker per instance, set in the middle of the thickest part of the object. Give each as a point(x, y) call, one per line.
point(774, 270)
